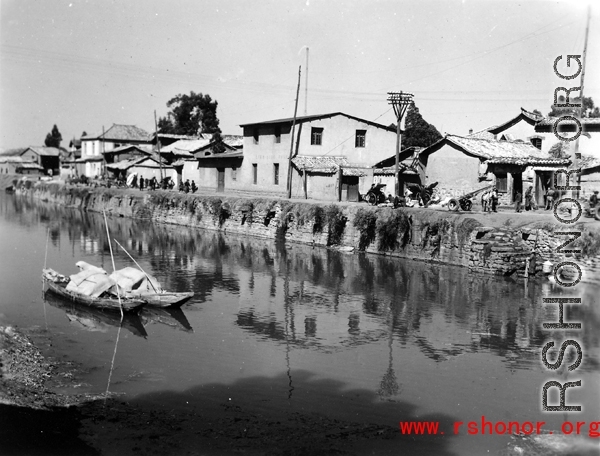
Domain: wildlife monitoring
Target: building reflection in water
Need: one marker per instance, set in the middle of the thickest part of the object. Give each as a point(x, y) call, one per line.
point(339, 300)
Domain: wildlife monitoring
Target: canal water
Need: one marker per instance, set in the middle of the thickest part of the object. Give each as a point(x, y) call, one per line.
point(290, 328)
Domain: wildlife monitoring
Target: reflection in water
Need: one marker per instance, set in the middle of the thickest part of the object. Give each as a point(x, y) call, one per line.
point(323, 291)
point(92, 319)
point(172, 317)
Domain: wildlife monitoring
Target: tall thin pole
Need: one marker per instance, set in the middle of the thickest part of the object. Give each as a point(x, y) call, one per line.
point(581, 108)
point(103, 155)
point(113, 262)
point(289, 176)
point(400, 101)
point(158, 147)
point(306, 86)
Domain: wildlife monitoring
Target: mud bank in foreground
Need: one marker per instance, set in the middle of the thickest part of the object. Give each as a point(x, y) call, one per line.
point(499, 243)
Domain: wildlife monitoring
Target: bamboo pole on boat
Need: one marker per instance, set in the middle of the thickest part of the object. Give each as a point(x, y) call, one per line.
point(136, 263)
point(113, 263)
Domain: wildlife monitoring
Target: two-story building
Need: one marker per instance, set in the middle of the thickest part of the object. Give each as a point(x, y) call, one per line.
point(93, 147)
point(329, 153)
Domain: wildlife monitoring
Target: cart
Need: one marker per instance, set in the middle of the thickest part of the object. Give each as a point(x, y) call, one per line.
point(464, 202)
point(375, 195)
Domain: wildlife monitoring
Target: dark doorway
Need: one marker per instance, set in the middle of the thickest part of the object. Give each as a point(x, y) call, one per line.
point(517, 186)
point(220, 179)
point(350, 188)
point(543, 181)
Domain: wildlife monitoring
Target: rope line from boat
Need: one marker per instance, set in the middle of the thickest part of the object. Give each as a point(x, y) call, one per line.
point(112, 363)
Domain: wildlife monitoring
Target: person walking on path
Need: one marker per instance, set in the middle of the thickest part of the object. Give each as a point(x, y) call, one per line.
point(518, 201)
point(529, 199)
point(550, 194)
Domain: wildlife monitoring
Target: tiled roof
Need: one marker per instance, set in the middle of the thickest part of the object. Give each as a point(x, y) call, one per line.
point(121, 133)
point(185, 145)
point(29, 165)
point(10, 159)
point(141, 147)
point(326, 165)
point(227, 154)
point(147, 162)
point(588, 162)
point(44, 151)
point(586, 121)
point(301, 119)
point(484, 134)
point(13, 152)
point(233, 140)
point(515, 152)
point(528, 161)
point(525, 115)
point(88, 159)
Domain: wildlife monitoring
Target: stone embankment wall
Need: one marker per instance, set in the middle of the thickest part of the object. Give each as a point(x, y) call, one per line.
point(420, 234)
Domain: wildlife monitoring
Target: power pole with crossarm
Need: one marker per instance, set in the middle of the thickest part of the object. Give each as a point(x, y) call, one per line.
point(400, 101)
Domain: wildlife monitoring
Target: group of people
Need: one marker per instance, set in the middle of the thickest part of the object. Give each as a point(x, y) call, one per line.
point(489, 200)
point(151, 184)
point(186, 187)
point(529, 201)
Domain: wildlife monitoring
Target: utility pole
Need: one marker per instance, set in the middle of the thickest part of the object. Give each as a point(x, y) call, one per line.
point(158, 148)
point(306, 86)
point(103, 157)
point(289, 176)
point(400, 101)
point(577, 160)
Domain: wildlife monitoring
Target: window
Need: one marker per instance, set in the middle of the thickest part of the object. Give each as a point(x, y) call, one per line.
point(276, 173)
point(501, 183)
point(234, 173)
point(255, 173)
point(255, 135)
point(316, 136)
point(277, 135)
point(360, 139)
point(537, 142)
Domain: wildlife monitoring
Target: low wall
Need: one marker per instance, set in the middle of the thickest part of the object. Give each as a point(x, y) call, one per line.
point(420, 234)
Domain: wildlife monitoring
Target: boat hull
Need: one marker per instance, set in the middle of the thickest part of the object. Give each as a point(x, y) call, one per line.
point(127, 304)
point(167, 299)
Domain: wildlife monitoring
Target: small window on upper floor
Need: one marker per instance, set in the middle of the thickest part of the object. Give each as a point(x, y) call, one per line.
point(277, 135)
point(316, 136)
point(255, 135)
point(360, 138)
point(537, 142)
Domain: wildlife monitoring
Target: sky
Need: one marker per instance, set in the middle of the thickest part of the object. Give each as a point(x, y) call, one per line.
point(85, 65)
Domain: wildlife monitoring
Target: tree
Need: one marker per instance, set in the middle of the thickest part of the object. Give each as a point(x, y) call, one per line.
point(560, 150)
point(589, 110)
point(54, 138)
point(190, 115)
point(417, 131)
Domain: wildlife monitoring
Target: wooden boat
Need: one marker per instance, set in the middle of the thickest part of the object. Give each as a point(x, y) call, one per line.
point(57, 283)
point(166, 298)
point(94, 319)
